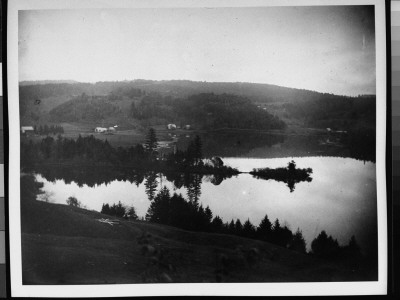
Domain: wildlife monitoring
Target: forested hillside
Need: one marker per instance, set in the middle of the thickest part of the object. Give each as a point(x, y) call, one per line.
point(335, 112)
point(207, 111)
point(175, 88)
point(208, 105)
point(84, 108)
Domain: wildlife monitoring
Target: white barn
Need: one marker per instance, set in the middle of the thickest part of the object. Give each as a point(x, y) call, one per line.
point(25, 129)
point(100, 129)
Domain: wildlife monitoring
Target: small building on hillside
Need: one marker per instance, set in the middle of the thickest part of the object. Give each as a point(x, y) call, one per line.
point(171, 126)
point(100, 129)
point(27, 129)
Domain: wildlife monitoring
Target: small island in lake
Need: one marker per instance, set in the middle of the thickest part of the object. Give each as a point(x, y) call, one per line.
point(290, 175)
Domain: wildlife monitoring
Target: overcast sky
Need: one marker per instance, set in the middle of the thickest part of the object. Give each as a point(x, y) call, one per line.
point(326, 49)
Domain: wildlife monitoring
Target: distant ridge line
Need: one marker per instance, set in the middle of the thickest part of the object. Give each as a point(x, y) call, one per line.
point(184, 81)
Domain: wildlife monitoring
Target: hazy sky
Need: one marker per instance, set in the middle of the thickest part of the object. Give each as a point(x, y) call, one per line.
point(327, 49)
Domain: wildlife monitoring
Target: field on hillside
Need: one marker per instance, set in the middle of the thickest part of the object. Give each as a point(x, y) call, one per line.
point(119, 138)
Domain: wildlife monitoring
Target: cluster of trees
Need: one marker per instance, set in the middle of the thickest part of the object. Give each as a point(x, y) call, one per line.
point(176, 211)
point(227, 111)
point(119, 210)
point(48, 129)
point(125, 91)
point(192, 160)
point(84, 108)
point(84, 149)
point(336, 112)
point(153, 106)
point(207, 111)
point(30, 188)
point(190, 157)
point(90, 175)
point(90, 150)
point(361, 143)
point(327, 247)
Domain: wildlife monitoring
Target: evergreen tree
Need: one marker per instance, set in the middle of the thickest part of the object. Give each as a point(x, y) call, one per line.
point(231, 227)
point(264, 230)
point(238, 227)
point(159, 207)
point(248, 229)
point(325, 246)
point(352, 251)
point(291, 166)
point(59, 147)
point(208, 213)
point(118, 209)
point(276, 232)
point(46, 147)
point(151, 143)
point(277, 226)
point(190, 154)
point(298, 242)
point(151, 185)
point(105, 209)
point(197, 150)
point(217, 225)
point(131, 214)
point(204, 219)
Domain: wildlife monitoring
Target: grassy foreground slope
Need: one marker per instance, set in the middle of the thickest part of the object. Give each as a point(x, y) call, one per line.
point(68, 245)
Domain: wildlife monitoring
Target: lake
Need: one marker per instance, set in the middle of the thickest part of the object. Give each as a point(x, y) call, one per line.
point(340, 199)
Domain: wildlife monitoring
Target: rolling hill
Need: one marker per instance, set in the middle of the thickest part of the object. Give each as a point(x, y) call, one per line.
point(69, 245)
point(44, 102)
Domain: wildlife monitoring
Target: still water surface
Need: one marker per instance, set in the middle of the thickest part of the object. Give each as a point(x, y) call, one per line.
point(340, 199)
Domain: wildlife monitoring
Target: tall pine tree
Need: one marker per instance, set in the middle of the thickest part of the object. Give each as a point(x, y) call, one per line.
point(151, 143)
point(264, 230)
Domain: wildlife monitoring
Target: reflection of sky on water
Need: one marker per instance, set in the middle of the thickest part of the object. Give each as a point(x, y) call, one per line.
point(341, 199)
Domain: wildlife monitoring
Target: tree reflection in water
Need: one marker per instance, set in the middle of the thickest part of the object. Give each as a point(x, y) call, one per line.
point(92, 176)
point(151, 184)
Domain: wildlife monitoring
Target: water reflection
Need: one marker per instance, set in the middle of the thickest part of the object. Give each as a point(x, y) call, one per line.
point(151, 185)
point(341, 199)
point(289, 175)
point(94, 176)
point(256, 144)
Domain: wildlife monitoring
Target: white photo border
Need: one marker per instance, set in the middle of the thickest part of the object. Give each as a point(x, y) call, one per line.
point(201, 289)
